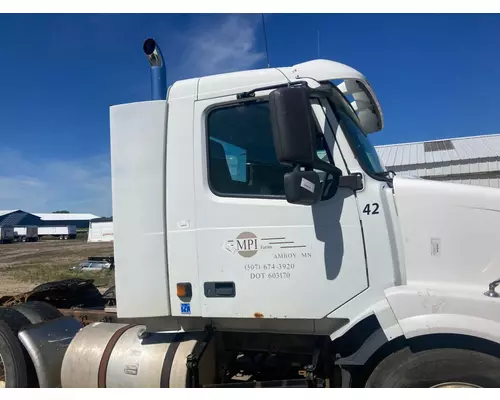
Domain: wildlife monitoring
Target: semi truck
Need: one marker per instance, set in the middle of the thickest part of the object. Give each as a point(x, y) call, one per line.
point(6, 233)
point(260, 242)
point(26, 233)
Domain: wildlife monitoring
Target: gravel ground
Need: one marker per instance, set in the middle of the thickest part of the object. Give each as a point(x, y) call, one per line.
point(26, 265)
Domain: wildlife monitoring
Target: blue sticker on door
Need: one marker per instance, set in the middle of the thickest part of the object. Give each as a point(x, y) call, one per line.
point(185, 308)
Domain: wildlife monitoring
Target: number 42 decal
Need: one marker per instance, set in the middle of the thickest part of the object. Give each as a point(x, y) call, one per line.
point(370, 211)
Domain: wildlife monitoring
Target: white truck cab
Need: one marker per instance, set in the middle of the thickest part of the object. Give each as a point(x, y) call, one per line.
point(254, 202)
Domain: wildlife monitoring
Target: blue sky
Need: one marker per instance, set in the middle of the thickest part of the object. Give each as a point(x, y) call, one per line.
point(436, 76)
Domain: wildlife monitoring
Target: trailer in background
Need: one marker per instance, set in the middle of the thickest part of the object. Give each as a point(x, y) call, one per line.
point(26, 233)
point(101, 230)
point(62, 232)
point(6, 233)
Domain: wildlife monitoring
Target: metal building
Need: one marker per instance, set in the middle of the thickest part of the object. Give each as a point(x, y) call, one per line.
point(471, 160)
point(18, 218)
point(81, 221)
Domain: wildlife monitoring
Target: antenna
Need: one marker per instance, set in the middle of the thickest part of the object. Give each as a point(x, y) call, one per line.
point(265, 41)
point(318, 43)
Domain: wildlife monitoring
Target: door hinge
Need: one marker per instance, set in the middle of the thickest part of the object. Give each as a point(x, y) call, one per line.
point(352, 181)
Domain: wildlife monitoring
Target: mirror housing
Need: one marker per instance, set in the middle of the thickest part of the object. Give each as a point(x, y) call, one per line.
point(302, 187)
point(292, 123)
point(294, 135)
point(294, 129)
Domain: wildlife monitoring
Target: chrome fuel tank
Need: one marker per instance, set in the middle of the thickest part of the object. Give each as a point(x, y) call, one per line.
point(126, 356)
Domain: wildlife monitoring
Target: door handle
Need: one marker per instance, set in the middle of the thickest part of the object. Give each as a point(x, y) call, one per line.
point(219, 289)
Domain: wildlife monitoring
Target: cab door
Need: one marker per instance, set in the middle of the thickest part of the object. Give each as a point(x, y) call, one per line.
point(258, 255)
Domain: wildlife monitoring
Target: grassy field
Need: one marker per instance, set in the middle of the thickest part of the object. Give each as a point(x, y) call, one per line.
point(26, 265)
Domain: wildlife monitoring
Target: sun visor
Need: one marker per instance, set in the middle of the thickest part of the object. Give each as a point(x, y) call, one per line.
point(354, 84)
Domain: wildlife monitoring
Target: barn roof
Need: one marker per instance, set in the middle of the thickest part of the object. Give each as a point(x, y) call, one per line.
point(66, 217)
point(464, 149)
point(14, 217)
point(5, 212)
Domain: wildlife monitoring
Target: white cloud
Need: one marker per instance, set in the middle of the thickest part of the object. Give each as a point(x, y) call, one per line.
point(82, 185)
point(227, 46)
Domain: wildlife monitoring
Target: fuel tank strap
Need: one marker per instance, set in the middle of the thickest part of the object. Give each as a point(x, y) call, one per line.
point(168, 361)
point(103, 364)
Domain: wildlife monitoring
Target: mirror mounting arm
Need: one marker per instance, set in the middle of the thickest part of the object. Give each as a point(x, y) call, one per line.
point(352, 181)
point(326, 167)
point(251, 93)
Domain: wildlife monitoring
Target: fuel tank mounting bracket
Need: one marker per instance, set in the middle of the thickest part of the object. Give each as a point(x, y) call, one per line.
point(193, 359)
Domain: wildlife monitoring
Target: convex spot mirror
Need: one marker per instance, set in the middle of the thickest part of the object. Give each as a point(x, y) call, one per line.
point(302, 187)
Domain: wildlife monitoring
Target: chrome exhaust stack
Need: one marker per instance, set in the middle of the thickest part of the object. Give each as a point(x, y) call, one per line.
point(158, 70)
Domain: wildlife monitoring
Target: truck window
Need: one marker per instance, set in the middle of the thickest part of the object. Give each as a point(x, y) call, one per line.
point(362, 147)
point(241, 156)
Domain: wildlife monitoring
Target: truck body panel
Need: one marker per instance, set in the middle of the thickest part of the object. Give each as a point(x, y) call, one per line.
point(428, 309)
point(138, 184)
point(450, 232)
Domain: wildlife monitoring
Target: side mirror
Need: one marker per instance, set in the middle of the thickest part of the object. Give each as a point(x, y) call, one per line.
point(294, 135)
point(302, 187)
point(292, 123)
point(306, 187)
point(294, 130)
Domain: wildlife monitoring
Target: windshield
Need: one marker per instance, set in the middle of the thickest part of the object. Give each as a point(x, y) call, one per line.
point(363, 149)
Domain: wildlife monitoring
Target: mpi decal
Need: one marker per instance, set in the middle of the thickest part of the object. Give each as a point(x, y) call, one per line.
point(247, 244)
point(277, 256)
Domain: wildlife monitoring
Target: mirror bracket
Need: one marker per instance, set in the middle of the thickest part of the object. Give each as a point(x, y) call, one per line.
point(251, 93)
point(320, 92)
point(326, 167)
point(352, 181)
